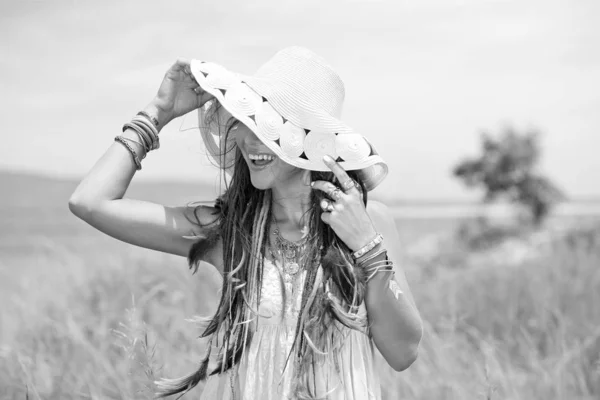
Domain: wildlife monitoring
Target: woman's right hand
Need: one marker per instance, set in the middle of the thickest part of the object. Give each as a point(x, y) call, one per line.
point(176, 95)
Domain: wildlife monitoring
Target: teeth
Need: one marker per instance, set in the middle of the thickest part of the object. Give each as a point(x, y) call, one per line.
point(261, 157)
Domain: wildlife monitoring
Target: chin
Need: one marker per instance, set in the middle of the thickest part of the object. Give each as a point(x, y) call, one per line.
point(261, 182)
point(268, 177)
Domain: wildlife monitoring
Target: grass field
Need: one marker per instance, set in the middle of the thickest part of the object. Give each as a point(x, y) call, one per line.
point(84, 316)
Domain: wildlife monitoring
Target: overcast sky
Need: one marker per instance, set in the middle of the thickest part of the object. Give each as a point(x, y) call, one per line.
point(423, 78)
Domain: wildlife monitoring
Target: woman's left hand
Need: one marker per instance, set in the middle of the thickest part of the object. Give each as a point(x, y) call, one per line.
point(347, 216)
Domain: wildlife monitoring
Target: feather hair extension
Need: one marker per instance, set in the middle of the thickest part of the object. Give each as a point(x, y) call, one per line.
point(202, 246)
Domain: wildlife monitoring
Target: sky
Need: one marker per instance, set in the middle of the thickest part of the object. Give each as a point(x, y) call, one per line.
point(423, 79)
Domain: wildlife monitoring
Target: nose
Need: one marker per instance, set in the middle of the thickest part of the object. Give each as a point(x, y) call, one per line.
point(251, 141)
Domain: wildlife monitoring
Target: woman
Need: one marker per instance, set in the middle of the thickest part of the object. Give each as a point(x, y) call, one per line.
point(311, 274)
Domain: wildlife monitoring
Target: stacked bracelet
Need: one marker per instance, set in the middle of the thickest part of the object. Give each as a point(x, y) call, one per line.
point(144, 138)
point(368, 247)
point(147, 124)
point(370, 257)
point(145, 127)
point(373, 267)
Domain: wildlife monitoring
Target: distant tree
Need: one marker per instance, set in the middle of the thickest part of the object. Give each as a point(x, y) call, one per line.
point(507, 169)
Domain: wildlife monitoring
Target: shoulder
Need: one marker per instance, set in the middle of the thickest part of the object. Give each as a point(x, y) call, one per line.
point(378, 209)
point(379, 213)
point(382, 218)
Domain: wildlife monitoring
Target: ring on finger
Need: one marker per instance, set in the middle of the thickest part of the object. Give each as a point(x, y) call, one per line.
point(348, 184)
point(326, 205)
point(335, 194)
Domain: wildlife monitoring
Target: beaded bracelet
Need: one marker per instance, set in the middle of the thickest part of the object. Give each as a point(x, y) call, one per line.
point(143, 135)
point(136, 159)
point(138, 143)
point(368, 247)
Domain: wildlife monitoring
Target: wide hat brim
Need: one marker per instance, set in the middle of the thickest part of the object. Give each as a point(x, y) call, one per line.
point(294, 130)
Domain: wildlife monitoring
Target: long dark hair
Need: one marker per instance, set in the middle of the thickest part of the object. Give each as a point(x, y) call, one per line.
point(333, 288)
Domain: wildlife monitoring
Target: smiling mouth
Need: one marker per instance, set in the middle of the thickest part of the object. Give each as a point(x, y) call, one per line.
point(261, 160)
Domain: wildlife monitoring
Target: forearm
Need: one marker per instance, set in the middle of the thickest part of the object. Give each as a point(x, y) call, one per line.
point(394, 321)
point(110, 177)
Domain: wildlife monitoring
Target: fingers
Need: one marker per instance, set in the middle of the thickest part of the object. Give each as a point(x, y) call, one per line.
point(330, 189)
point(326, 217)
point(182, 64)
point(337, 170)
point(339, 173)
point(327, 205)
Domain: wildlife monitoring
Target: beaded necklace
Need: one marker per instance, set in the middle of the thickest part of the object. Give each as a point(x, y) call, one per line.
point(293, 255)
point(290, 252)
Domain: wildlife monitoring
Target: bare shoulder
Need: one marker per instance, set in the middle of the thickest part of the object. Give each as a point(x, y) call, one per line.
point(384, 220)
point(380, 215)
point(377, 209)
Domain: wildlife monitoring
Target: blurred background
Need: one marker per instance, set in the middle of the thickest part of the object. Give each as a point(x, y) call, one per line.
point(485, 110)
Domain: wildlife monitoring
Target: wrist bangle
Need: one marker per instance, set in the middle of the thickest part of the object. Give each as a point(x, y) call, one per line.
point(144, 136)
point(369, 257)
point(368, 247)
point(147, 126)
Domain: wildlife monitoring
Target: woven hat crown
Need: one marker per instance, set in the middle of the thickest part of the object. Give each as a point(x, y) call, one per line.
point(297, 73)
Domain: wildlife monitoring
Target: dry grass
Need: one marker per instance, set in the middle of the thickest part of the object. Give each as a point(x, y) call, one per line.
point(530, 331)
point(83, 316)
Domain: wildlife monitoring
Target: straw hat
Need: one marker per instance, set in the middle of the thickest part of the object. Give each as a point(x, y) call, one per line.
point(293, 104)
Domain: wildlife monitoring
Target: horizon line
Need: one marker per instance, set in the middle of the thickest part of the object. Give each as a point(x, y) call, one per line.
point(425, 201)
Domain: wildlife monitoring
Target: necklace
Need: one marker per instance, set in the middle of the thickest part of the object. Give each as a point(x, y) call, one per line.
point(290, 252)
point(293, 255)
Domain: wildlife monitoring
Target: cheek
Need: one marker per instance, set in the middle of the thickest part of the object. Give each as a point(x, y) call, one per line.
point(239, 136)
point(287, 170)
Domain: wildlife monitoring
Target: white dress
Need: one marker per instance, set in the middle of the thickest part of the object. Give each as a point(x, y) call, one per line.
point(259, 373)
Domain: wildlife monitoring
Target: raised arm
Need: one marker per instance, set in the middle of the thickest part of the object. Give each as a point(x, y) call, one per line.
point(99, 201)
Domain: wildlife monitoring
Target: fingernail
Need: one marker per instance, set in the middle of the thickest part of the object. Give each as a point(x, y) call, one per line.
point(312, 184)
point(326, 158)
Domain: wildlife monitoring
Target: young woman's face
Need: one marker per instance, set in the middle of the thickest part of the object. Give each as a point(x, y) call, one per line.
point(266, 169)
